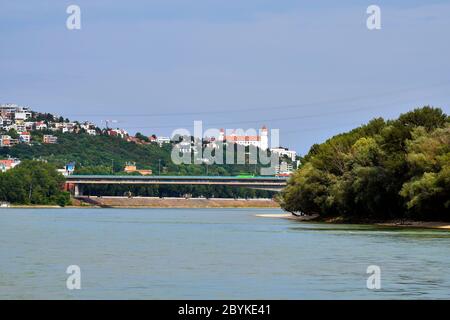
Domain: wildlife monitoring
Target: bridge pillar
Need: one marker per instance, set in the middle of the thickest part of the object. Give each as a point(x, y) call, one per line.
point(78, 190)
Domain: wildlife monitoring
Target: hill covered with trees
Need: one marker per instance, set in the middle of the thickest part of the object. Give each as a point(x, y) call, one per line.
point(397, 169)
point(104, 154)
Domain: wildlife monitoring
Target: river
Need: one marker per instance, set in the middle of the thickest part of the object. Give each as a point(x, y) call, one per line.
point(213, 254)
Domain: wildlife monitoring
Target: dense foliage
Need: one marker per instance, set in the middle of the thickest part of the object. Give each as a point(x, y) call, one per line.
point(382, 170)
point(89, 151)
point(33, 182)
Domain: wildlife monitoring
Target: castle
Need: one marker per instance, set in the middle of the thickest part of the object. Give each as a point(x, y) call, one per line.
point(261, 141)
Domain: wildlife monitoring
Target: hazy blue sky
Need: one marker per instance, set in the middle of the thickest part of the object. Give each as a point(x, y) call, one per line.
point(310, 68)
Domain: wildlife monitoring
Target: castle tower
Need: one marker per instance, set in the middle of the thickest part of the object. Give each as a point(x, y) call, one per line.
point(264, 143)
point(222, 135)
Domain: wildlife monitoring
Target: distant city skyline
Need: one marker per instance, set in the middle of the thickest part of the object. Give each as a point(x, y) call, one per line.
point(310, 69)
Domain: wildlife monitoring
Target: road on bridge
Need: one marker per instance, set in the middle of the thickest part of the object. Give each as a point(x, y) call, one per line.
point(75, 183)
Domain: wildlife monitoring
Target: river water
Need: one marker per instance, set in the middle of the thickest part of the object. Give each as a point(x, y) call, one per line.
point(213, 254)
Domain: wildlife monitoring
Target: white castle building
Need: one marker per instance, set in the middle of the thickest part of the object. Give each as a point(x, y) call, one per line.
point(240, 137)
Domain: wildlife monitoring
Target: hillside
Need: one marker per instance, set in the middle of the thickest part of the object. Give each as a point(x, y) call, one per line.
point(97, 154)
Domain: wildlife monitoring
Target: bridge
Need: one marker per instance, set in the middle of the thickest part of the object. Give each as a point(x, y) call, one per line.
point(75, 183)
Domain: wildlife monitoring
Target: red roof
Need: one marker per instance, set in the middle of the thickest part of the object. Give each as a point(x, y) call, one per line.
point(242, 138)
point(7, 162)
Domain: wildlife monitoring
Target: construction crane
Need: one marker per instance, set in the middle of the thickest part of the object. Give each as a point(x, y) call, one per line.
point(107, 122)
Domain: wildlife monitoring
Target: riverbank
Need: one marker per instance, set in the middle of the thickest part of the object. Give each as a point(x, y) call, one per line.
point(34, 206)
point(339, 220)
point(418, 224)
point(153, 202)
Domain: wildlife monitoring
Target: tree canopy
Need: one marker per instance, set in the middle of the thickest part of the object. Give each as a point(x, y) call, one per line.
point(382, 170)
point(33, 182)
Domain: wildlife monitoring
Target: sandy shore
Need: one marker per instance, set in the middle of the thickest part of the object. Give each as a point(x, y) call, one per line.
point(404, 224)
point(288, 216)
point(417, 224)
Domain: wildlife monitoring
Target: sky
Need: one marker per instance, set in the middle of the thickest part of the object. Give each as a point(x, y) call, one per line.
point(311, 69)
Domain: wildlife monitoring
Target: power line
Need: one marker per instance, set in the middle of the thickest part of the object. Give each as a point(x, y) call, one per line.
point(261, 121)
point(294, 106)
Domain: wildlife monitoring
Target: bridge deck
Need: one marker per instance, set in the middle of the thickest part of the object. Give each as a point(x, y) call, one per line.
point(271, 183)
point(125, 177)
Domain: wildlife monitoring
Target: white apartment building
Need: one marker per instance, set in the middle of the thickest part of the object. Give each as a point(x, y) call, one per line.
point(91, 132)
point(40, 125)
point(22, 115)
point(186, 147)
point(284, 168)
point(284, 152)
point(14, 112)
point(162, 140)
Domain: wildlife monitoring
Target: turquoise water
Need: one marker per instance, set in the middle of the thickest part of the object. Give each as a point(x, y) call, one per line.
point(212, 254)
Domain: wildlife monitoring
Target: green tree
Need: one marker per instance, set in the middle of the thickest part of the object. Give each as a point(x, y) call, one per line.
point(382, 170)
point(33, 182)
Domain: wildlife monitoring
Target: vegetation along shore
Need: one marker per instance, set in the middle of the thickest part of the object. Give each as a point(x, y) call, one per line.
point(382, 171)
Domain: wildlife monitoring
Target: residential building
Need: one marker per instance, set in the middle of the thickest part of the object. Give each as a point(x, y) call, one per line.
point(284, 168)
point(5, 141)
point(25, 137)
point(14, 112)
point(186, 147)
point(57, 126)
point(162, 140)
point(40, 125)
point(7, 164)
point(117, 133)
point(130, 167)
point(89, 127)
point(29, 125)
point(48, 138)
point(284, 152)
point(67, 128)
point(22, 115)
